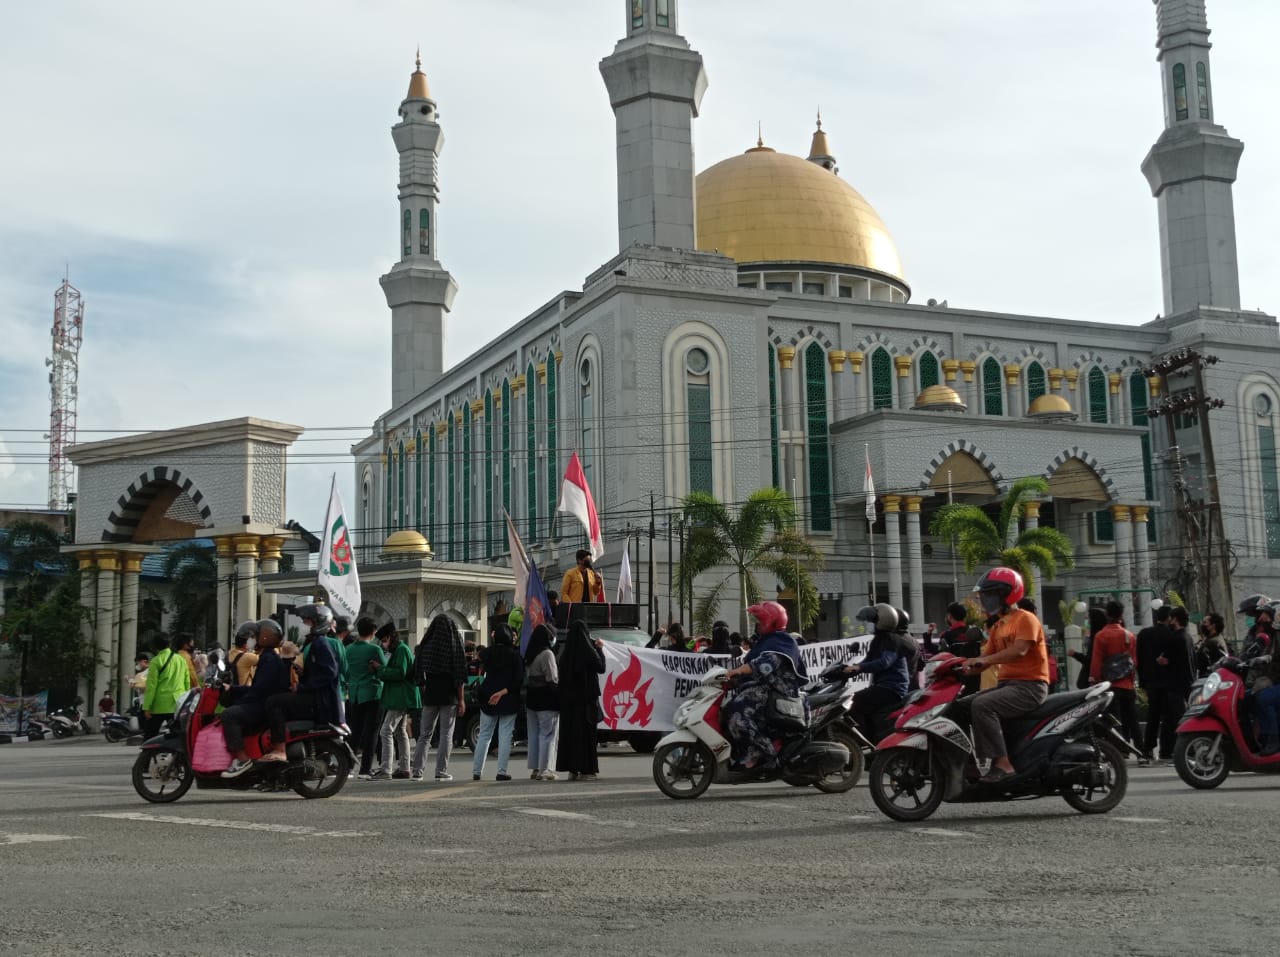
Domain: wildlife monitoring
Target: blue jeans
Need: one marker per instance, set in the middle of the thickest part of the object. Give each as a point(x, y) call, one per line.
point(506, 725)
point(543, 726)
point(1268, 705)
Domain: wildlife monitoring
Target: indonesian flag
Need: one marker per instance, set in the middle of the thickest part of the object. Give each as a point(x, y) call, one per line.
point(626, 590)
point(869, 486)
point(519, 563)
point(576, 500)
point(338, 558)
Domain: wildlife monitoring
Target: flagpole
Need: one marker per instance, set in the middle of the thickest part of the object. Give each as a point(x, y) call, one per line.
point(871, 524)
point(799, 599)
point(955, 579)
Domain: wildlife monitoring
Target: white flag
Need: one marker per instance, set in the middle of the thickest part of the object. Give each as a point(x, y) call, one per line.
point(519, 563)
point(626, 591)
point(338, 558)
point(869, 486)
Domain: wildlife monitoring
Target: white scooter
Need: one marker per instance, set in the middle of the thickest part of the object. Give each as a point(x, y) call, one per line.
point(696, 754)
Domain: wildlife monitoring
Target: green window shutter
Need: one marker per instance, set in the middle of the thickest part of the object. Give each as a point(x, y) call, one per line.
point(700, 467)
point(400, 489)
point(451, 489)
point(881, 380)
point(773, 417)
point(1104, 532)
point(490, 530)
point(466, 482)
point(1270, 487)
point(929, 372)
point(1097, 395)
point(420, 456)
point(815, 382)
point(506, 448)
point(1035, 382)
point(431, 485)
point(553, 463)
point(531, 450)
point(389, 498)
point(992, 388)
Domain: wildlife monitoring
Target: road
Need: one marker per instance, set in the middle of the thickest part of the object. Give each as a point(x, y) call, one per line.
point(586, 868)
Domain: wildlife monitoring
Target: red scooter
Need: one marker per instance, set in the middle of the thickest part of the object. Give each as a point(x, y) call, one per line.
point(1213, 738)
point(1060, 748)
point(320, 760)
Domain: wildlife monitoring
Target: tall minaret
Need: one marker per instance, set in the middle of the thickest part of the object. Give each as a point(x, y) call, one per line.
point(1191, 169)
point(418, 289)
point(655, 83)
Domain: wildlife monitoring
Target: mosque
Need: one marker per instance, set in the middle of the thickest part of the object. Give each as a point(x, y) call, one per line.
point(756, 328)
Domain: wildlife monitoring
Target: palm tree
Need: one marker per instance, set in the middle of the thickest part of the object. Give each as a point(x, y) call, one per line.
point(762, 537)
point(979, 540)
point(193, 571)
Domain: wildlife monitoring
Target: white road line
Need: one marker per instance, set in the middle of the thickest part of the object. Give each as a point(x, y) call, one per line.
point(592, 819)
point(35, 838)
point(940, 832)
point(297, 830)
point(1141, 820)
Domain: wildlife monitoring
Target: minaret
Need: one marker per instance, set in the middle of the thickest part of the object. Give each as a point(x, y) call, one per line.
point(655, 84)
point(418, 289)
point(1191, 169)
point(820, 150)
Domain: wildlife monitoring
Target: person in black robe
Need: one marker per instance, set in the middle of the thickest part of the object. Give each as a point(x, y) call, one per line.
point(580, 668)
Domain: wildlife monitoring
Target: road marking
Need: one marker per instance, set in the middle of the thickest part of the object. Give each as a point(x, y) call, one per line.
point(35, 838)
point(297, 830)
point(940, 832)
point(475, 792)
point(592, 819)
point(1141, 820)
point(552, 812)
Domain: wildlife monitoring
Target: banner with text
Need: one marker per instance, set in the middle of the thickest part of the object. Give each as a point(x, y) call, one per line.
point(33, 705)
point(642, 687)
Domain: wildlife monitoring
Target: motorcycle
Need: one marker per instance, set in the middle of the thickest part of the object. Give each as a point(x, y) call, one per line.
point(1060, 748)
point(320, 759)
point(1214, 738)
point(831, 719)
point(67, 721)
point(696, 754)
point(119, 727)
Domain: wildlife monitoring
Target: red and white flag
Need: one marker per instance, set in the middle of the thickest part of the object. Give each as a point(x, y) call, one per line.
point(576, 500)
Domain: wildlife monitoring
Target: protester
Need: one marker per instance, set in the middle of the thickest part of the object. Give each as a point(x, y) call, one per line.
point(1177, 658)
point(399, 697)
point(542, 703)
point(364, 686)
point(580, 668)
point(184, 645)
point(675, 640)
point(499, 696)
point(243, 660)
point(659, 636)
point(719, 640)
point(1109, 644)
point(291, 655)
point(1097, 621)
point(440, 669)
point(1154, 680)
point(1210, 649)
point(168, 679)
point(248, 705)
point(764, 671)
point(582, 582)
point(316, 698)
point(342, 631)
point(473, 659)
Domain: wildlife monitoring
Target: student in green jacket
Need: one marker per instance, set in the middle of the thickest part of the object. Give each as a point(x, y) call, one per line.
point(168, 679)
point(364, 689)
point(400, 698)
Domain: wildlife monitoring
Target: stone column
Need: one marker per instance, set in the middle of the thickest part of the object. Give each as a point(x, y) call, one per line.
point(949, 369)
point(226, 550)
point(1013, 395)
point(893, 546)
point(906, 395)
point(790, 410)
point(1124, 552)
point(246, 584)
point(1030, 520)
point(968, 368)
point(89, 599)
point(1142, 562)
point(1118, 416)
point(128, 625)
point(860, 401)
point(1072, 376)
point(840, 384)
point(1057, 381)
point(270, 565)
point(915, 562)
point(108, 582)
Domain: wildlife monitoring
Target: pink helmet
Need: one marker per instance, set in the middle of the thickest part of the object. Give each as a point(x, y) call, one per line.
point(771, 616)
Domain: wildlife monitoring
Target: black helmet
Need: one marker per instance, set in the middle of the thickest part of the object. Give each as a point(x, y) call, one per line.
point(269, 625)
point(904, 621)
point(245, 631)
point(880, 616)
point(1253, 604)
point(320, 616)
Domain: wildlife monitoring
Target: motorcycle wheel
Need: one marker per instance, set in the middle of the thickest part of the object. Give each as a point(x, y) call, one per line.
point(1091, 800)
point(847, 778)
point(326, 769)
point(115, 734)
point(1189, 758)
point(683, 770)
point(161, 775)
point(899, 777)
point(472, 733)
point(62, 731)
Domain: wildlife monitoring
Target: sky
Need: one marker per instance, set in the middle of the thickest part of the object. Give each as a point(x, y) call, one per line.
point(220, 179)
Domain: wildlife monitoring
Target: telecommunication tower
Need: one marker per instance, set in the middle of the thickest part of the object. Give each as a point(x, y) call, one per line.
point(64, 373)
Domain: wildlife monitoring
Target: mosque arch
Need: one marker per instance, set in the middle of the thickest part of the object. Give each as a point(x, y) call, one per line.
point(162, 504)
point(928, 370)
point(1096, 395)
point(590, 432)
point(817, 431)
point(880, 382)
point(1035, 384)
point(460, 617)
point(972, 470)
point(677, 378)
point(552, 433)
point(1076, 474)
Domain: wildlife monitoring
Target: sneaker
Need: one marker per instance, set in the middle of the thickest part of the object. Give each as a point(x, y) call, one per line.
point(364, 776)
point(586, 777)
point(415, 775)
point(238, 767)
point(535, 775)
point(382, 774)
point(475, 777)
point(443, 776)
point(401, 775)
point(548, 776)
point(503, 777)
point(1144, 761)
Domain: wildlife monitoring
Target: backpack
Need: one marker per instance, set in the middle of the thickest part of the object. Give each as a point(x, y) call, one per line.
point(1119, 666)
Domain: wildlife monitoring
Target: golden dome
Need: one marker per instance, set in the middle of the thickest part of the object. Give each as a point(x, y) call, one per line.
point(769, 207)
point(406, 542)
point(1050, 405)
point(940, 398)
point(418, 82)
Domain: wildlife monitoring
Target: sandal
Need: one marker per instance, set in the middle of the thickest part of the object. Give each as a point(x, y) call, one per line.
point(273, 757)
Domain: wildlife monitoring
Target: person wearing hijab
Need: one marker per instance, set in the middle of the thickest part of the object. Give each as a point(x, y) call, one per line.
point(719, 640)
point(499, 696)
point(542, 703)
point(772, 664)
point(581, 666)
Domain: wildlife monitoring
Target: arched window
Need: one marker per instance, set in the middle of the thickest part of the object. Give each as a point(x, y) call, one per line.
point(1202, 90)
point(1097, 395)
point(451, 487)
point(662, 14)
point(774, 450)
point(424, 232)
point(431, 485)
point(697, 365)
point(928, 372)
point(553, 463)
point(531, 449)
point(419, 509)
point(881, 380)
point(815, 392)
point(506, 447)
point(1036, 386)
point(490, 520)
point(408, 233)
point(992, 387)
point(366, 506)
point(586, 418)
point(1179, 91)
point(1264, 408)
point(389, 496)
point(467, 489)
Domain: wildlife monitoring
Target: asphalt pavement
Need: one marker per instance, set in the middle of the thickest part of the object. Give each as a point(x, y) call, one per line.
point(527, 867)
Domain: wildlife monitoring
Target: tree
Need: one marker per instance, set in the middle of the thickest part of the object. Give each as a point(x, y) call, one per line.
point(979, 540)
point(32, 552)
point(762, 537)
point(59, 655)
point(193, 571)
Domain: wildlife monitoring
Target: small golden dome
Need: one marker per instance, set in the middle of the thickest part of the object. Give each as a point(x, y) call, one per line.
point(769, 207)
point(406, 542)
point(940, 398)
point(819, 147)
point(418, 81)
point(1049, 405)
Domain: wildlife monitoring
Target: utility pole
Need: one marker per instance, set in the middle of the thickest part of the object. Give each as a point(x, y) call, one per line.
point(653, 570)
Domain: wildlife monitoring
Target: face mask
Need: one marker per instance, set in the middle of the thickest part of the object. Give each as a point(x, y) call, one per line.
point(552, 643)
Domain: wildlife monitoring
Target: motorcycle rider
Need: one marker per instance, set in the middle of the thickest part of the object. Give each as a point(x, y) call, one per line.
point(1267, 699)
point(326, 629)
point(761, 673)
point(248, 710)
point(316, 697)
point(888, 661)
point(1260, 640)
point(1017, 646)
